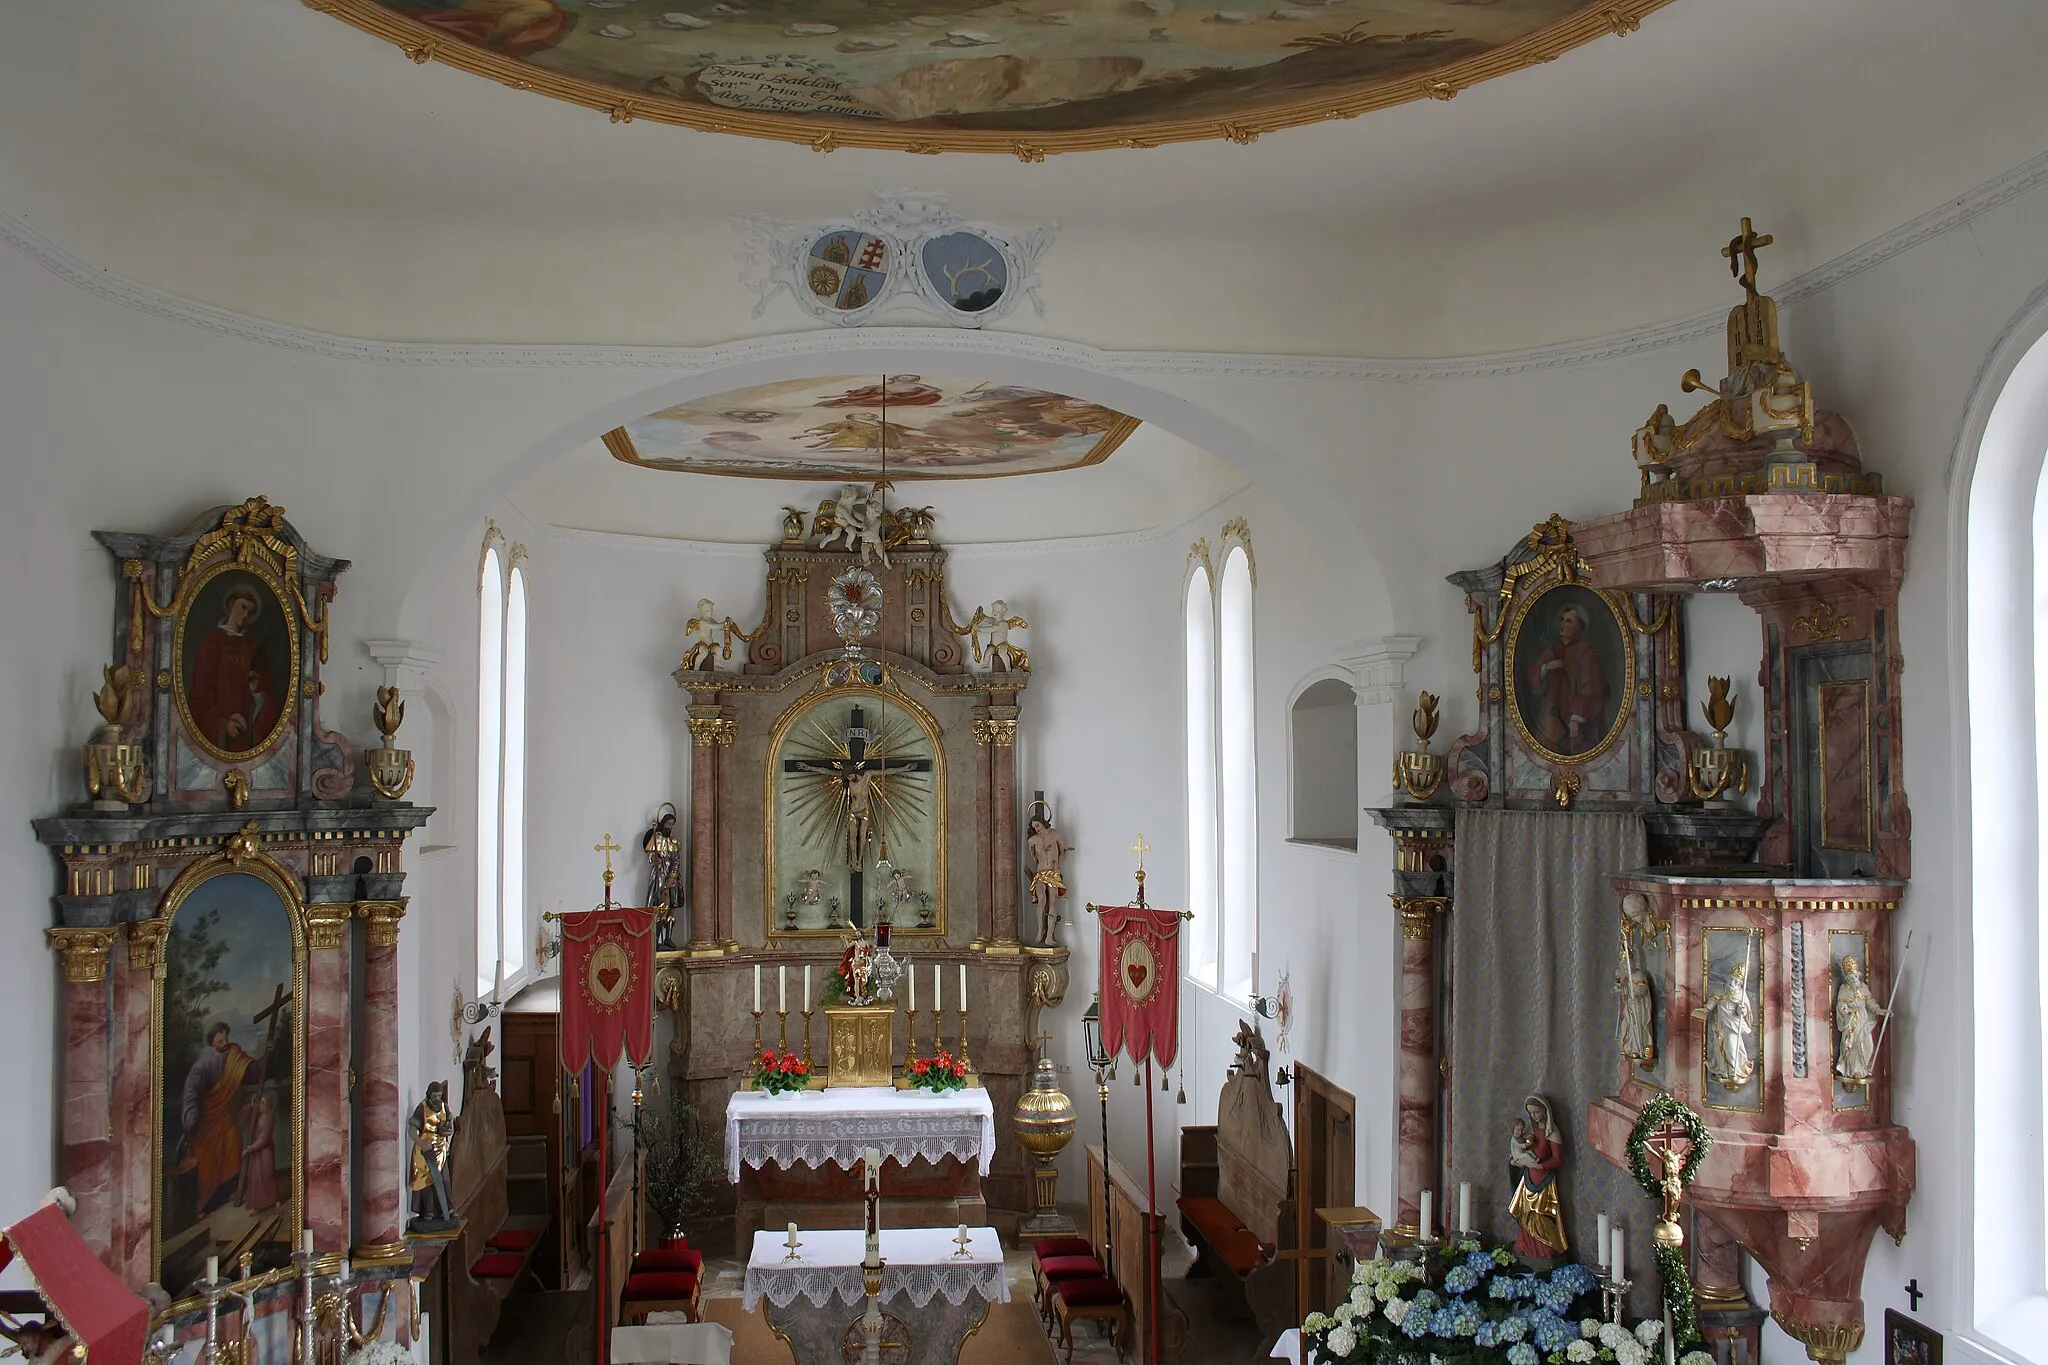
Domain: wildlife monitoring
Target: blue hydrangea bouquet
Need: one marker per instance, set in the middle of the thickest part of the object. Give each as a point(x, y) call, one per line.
point(1482, 1309)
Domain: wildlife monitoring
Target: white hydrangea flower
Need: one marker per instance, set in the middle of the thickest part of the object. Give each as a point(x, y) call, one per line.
point(1343, 1342)
point(1362, 1299)
point(1589, 1328)
point(1345, 1312)
point(1580, 1350)
point(1648, 1330)
point(1317, 1322)
point(1397, 1309)
point(1628, 1352)
point(1695, 1358)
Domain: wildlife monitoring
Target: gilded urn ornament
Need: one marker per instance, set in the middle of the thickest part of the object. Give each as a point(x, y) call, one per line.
point(390, 769)
point(1418, 773)
point(116, 773)
point(1717, 772)
point(1044, 1122)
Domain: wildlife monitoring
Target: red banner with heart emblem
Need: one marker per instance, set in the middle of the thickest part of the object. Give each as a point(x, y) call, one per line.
point(1140, 981)
point(607, 987)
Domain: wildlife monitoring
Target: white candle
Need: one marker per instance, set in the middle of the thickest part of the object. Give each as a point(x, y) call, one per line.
point(792, 1235)
point(938, 990)
point(212, 1269)
point(1464, 1206)
point(782, 987)
point(1616, 1261)
point(306, 1241)
point(913, 988)
point(757, 988)
point(963, 988)
point(1600, 1242)
point(807, 988)
point(1426, 1219)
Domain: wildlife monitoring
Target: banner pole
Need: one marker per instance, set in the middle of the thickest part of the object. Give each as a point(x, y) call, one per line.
point(1152, 1276)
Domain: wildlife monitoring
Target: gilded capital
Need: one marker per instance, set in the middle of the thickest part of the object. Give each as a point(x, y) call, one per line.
point(382, 917)
point(85, 952)
point(706, 731)
point(1419, 912)
point(146, 944)
point(327, 924)
point(1000, 733)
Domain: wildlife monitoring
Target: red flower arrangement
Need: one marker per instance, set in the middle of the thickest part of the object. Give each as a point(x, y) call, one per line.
point(779, 1072)
point(939, 1074)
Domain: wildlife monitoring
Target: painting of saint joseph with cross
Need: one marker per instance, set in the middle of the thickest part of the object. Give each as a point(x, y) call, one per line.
point(228, 1048)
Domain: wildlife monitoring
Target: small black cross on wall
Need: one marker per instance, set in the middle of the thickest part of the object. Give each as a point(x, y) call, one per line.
point(1914, 1293)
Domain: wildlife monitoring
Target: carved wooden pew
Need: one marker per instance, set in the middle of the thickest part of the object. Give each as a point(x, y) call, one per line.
point(492, 1253)
point(1237, 1194)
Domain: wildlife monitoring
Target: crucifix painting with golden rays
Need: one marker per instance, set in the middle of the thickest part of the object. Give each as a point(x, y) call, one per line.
point(857, 799)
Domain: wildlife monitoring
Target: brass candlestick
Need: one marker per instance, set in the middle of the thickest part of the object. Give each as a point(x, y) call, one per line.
point(910, 1047)
point(757, 1034)
point(782, 1031)
point(807, 1035)
point(963, 1037)
point(938, 1038)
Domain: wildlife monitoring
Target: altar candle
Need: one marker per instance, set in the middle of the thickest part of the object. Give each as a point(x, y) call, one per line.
point(807, 988)
point(1600, 1242)
point(1464, 1206)
point(1426, 1219)
point(1616, 1260)
point(782, 987)
point(792, 1237)
point(938, 989)
point(212, 1269)
point(913, 988)
point(757, 988)
point(306, 1241)
point(963, 987)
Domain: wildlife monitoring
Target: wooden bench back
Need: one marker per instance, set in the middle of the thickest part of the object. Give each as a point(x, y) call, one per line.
point(476, 1176)
point(1255, 1160)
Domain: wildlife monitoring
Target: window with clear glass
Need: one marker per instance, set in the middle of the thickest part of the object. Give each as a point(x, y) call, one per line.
point(1238, 775)
point(1203, 868)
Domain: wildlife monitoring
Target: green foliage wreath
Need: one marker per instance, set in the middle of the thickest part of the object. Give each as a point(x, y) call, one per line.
point(1662, 1110)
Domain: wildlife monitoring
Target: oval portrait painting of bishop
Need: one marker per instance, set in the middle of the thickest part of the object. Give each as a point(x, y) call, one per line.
point(1572, 667)
point(237, 663)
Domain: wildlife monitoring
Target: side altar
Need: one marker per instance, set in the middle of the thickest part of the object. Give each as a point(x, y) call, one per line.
point(853, 772)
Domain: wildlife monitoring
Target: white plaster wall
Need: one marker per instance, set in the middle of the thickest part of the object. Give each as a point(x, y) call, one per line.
point(120, 418)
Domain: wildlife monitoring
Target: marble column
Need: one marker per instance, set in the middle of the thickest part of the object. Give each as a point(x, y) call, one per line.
point(1002, 834)
point(1417, 1164)
point(1717, 1265)
point(134, 990)
point(378, 1208)
point(328, 1207)
point(711, 732)
point(87, 1154)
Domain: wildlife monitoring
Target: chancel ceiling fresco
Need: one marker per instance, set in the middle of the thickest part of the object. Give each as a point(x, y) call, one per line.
point(1027, 77)
point(836, 428)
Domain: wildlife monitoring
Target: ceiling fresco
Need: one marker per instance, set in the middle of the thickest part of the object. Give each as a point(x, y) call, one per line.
point(835, 428)
point(1028, 77)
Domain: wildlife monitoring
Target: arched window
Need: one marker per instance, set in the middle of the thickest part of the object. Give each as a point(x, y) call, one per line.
point(1238, 773)
point(490, 729)
point(2003, 881)
point(1203, 868)
point(500, 765)
point(1323, 743)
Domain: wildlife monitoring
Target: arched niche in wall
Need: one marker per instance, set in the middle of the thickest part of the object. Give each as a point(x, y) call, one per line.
point(1322, 726)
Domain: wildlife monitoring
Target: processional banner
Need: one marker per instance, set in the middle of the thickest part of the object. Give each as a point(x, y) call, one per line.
point(1140, 981)
point(607, 987)
point(104, 1316)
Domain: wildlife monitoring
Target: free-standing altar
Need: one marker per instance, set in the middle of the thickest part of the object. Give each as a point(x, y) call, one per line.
point(934, 1292)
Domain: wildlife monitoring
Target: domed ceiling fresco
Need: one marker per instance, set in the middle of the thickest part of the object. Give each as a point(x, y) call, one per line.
point(1027, 77)
point(836, 428)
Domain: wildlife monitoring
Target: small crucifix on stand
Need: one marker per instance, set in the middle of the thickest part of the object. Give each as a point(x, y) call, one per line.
point(860, 779)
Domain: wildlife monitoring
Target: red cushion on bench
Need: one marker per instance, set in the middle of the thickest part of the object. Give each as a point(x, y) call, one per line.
point(1224, 1231)
point(1061, 1246)
point(513, 1239)
point(678, 1284)
point(1088, 1293)
point(669, 1259)
point(1070, 1268)
point(497, 1265)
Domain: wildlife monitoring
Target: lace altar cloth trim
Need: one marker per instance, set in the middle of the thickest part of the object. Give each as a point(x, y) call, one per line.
point(919, 1264)
point(816, 1127)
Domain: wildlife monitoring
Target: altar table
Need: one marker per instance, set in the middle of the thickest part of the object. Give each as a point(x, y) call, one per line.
point(797, 1158)
point(932, 1298)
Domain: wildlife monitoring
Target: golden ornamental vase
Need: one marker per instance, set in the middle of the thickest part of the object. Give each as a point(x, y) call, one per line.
point(1044, 1123)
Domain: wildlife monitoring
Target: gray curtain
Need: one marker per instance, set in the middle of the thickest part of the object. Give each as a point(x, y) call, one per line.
point(1532, 934)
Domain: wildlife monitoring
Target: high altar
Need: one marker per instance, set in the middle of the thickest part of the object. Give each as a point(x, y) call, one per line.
point(853, 765)
point(1741, 962)
point(228, 912)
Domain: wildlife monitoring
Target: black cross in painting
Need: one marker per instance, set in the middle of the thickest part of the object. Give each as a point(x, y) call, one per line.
point(853, 773)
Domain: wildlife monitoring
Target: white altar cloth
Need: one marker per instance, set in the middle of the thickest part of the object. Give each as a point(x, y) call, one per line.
point(918, 1264)
point(813, 1127)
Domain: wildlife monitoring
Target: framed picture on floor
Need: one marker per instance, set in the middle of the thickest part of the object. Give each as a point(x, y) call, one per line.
point(1906, 1342)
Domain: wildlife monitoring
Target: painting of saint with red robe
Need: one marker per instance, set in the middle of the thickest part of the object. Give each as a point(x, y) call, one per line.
point(1570, 671)
point(229, 1049)
point(236, 663)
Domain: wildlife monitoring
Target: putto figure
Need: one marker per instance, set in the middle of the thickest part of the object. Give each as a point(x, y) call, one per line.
point(990, 630)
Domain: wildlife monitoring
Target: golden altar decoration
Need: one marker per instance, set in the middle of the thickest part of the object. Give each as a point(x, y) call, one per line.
point(860, 1043)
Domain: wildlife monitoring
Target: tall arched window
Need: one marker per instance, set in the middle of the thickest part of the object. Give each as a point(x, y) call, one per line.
point(1203, 867)
point(500, 764)
point(1238, 773)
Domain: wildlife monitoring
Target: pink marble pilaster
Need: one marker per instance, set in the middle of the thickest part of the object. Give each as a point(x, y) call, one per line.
point(87, 1158)
point(1003, 831)
point(1417, 1158)
point(326, 1127)
point(377, 1220)
point(131, 1173)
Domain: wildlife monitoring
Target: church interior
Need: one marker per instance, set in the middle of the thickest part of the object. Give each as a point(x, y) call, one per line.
point(940, 682)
